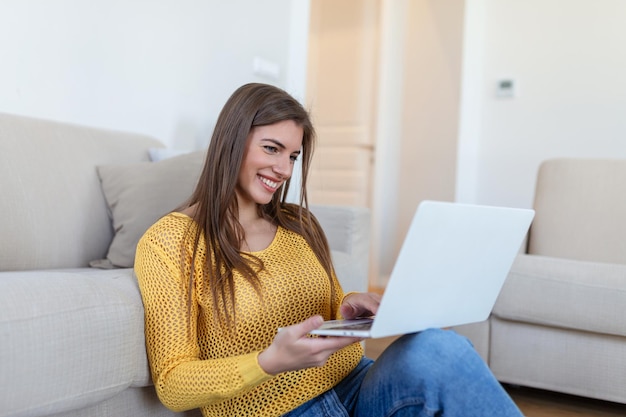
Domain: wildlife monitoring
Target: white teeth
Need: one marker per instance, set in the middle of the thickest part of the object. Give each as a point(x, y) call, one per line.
point(269, 183)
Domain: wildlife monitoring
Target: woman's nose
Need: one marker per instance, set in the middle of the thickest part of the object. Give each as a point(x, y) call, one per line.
point(284, 167)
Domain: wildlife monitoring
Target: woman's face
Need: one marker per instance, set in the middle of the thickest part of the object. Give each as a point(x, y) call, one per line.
point(268, 161)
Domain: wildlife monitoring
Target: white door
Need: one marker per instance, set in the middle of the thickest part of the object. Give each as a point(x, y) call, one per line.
point(341, 95)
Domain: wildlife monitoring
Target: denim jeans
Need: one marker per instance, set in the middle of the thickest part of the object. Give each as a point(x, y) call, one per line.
point(431, 373)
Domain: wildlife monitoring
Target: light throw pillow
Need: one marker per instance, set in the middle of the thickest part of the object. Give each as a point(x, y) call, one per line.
point(138, 195)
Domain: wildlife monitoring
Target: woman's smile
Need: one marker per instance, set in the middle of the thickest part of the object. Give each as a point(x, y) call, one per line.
point(271, 185)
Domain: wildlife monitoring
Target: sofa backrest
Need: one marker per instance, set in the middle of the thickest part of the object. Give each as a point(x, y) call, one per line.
point(580, 209)
point(52, 210)
point(347, 229)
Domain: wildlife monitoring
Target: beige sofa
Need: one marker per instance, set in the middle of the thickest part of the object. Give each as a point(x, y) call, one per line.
point(560, 320)
point(71, 335)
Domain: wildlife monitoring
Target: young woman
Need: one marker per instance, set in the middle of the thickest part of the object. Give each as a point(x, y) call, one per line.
point(219, 277)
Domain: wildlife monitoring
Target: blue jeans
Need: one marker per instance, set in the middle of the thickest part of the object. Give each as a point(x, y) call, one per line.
point(432, 373)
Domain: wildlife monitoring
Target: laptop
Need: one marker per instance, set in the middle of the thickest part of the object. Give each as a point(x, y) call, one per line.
point(450, 270)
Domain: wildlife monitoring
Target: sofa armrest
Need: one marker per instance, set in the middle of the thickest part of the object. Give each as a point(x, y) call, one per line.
point(565, 293)
point(347, 229)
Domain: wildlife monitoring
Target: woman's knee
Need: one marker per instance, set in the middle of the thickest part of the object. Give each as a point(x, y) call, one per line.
point(414, 369)
point(430, 352)
point(437, 342)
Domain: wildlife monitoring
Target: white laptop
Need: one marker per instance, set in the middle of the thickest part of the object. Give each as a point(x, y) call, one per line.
point(450, 269)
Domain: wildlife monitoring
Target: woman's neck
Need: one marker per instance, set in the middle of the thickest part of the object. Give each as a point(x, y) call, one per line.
point(259, 231)
point(248, 213)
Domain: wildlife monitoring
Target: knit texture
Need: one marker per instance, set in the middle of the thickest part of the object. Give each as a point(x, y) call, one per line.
point(196, 361)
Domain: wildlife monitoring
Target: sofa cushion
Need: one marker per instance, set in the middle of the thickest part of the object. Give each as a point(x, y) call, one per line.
point(580, 295)
point(138, 195)
point(69, 338)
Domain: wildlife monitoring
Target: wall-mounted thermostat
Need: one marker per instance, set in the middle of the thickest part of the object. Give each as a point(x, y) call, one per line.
point(506, 87)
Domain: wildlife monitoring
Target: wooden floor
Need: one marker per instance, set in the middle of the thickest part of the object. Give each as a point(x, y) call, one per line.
point(535, 403)
point(538, 403)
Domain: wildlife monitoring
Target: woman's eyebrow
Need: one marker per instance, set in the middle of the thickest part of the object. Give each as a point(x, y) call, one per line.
point(275, 142)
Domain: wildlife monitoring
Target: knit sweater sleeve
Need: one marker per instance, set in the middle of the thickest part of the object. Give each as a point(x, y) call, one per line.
point(183, 381)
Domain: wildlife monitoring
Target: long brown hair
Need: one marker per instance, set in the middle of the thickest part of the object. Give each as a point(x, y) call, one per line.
point(249, 106)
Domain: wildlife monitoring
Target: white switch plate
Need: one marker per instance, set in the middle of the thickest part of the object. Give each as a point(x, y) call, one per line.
point(265, 68)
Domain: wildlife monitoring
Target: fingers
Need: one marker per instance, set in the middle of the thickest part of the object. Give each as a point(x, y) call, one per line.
point(294, 349)
point(348, 311)
point(323, 347)
point(360, 305)
point(312, 323)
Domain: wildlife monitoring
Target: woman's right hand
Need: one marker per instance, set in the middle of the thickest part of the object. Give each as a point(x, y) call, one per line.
point(293, 349)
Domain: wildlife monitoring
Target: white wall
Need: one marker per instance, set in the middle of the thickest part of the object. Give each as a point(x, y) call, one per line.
point(156, 67)
point(569, 60)
point(418, 118)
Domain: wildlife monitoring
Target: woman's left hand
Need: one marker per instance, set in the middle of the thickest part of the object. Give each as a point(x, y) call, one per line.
point(360, 304)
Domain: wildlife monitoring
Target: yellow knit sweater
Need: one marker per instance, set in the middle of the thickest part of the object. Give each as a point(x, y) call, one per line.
point(196, 363)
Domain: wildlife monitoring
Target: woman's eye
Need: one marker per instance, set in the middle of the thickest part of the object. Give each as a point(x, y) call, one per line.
point(271, 149)
point(294, 158)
